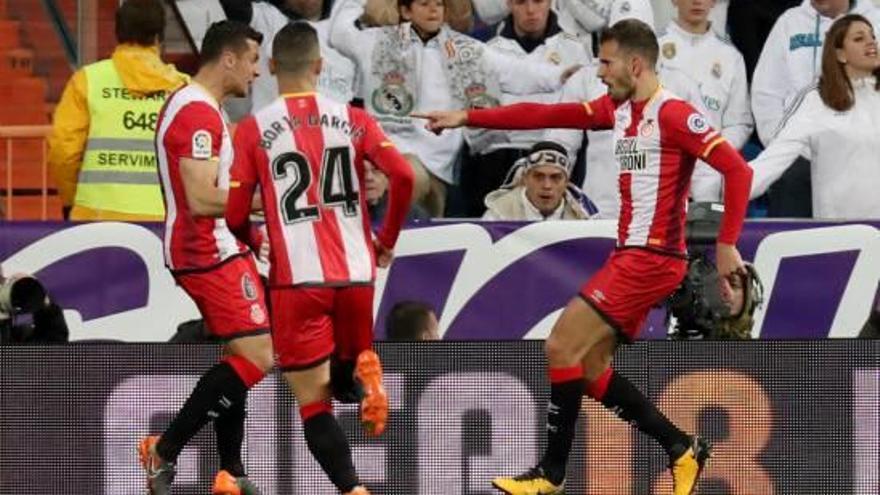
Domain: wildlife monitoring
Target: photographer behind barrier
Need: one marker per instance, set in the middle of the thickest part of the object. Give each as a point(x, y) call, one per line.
point(697, 306)
point(22, 295)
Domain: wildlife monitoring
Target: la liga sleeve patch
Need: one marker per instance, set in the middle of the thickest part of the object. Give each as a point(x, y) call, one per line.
point(201, 145)
point(697, 124)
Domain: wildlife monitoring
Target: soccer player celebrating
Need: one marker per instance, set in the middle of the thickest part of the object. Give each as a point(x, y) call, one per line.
point(194, 151)
point(657, 139)
point(307, 152)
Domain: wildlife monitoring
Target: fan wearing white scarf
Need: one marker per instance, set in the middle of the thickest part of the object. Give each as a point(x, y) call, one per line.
point(422, 65)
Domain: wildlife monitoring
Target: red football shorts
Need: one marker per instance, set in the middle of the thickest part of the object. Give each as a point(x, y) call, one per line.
point(230, 298)
point(629, 284)
point(309, 324)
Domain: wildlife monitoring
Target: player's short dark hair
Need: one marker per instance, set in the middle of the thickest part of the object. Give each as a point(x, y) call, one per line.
point(408, 320)
point(140, 22)
point(635, 37)
point(227, 35)
point(295, 47)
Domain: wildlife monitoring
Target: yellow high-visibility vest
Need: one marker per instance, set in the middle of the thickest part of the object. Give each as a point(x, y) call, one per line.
point(119, 165)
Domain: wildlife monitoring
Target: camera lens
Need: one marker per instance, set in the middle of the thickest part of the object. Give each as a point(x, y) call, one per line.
point(26, 295)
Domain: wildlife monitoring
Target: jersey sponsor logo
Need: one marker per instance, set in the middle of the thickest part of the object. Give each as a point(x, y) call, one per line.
point(629, 156)
point(201, 144)
point(248, 289)
point(697, 124)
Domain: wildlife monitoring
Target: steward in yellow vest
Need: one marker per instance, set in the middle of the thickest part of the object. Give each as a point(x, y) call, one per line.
point(101, 150)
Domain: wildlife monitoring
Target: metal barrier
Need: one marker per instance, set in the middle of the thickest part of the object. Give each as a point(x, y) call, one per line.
point(20, 132)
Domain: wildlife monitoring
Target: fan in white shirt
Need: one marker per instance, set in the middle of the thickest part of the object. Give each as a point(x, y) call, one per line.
point(338, 72)
point(835, 125)
point(691, 45)
point(531, 33)
point(420, 66)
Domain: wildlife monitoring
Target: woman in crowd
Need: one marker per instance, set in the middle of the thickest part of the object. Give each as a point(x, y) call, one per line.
point(836, 125)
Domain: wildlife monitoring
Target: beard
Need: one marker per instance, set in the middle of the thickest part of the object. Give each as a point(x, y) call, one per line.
point(621, 93)
point(622, 89)
point(240, 90)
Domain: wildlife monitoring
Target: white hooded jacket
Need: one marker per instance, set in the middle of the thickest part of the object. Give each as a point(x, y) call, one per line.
point(560, 49)
point(437, 152)
point(337, 79)
point(843, 149)
point(719, 70)
point(792, 59)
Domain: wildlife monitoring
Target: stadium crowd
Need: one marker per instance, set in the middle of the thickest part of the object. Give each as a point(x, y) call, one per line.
point(757, 70)
point(801, 101)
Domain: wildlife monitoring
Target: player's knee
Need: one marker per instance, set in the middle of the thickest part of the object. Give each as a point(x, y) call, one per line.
point(265, 362)
point(558, 352)
point(259, 353)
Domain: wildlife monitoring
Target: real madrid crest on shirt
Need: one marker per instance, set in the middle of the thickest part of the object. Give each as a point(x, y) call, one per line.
point(554, 58)
point(478, 97)
point(392, 97)
point(716, 70)
point(669, 50)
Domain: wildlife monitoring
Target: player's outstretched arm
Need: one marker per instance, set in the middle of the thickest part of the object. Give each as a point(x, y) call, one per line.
point(519, 116)
point(439, 120)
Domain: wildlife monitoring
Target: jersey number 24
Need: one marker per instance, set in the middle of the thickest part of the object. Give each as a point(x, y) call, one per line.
point(336, 183)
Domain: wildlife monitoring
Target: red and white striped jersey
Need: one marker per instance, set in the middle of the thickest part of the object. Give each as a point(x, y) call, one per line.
point(190, 125)
point(656, 144)
point(306, 152)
